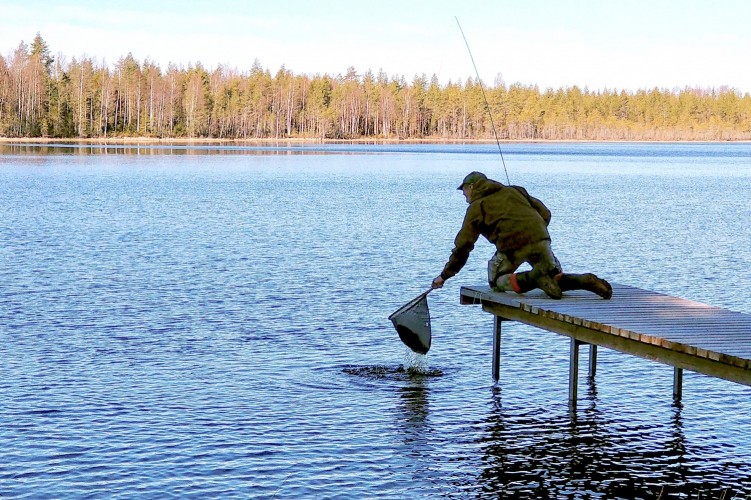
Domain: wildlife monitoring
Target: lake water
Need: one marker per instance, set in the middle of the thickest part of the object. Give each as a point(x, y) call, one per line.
point(201, 322)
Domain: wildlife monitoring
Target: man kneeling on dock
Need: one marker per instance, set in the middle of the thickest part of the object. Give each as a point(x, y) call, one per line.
point(517, 224)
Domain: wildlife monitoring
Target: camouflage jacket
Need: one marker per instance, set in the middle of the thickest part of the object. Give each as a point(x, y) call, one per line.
point(506, 215)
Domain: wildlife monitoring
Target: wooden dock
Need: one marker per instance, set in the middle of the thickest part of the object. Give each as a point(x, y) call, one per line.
point(674, 331)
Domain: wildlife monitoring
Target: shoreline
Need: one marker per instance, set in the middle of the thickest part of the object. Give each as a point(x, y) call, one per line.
point(150, 141)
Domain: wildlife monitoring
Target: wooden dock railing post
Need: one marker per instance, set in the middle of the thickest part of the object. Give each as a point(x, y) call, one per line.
point(592, 360)
point(573, 371)
point(677, 383)
point(496, 348)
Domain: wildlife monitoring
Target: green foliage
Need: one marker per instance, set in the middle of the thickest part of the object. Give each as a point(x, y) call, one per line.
point(40, 96)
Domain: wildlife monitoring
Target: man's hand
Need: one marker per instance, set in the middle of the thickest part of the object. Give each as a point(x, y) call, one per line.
point(438, 282)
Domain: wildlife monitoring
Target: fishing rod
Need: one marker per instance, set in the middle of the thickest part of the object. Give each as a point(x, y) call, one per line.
point(487, 106)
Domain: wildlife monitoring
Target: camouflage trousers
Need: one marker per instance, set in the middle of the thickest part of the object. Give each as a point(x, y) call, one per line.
point(539, 255)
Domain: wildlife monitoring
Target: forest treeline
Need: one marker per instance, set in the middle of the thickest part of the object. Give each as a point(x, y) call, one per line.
point(44, 96)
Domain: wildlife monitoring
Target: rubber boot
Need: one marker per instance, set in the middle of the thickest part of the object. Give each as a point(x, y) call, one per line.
point(528, 280)
point(515, 282)
point(588, 282)
point(504, 284)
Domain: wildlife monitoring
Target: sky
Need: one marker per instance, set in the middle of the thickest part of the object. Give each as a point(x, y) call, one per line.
point(605, 44)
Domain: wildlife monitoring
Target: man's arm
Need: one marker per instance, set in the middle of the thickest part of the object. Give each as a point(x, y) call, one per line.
point(464, 243)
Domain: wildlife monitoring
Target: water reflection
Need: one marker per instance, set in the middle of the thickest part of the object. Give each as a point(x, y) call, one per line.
point(142, 255)
point(413, 415)
point(551, 453)
point(413, 422)
point(266, 147)
point(275, 149)
point(590, 400)
point(677, 445)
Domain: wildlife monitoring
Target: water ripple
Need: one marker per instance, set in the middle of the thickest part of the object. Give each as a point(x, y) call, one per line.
point(205, 327)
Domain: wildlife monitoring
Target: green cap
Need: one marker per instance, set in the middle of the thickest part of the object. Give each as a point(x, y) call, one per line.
point(471, 178)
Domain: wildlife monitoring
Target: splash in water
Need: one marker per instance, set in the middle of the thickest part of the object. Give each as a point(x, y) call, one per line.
point(417, 363)
point(402, 372)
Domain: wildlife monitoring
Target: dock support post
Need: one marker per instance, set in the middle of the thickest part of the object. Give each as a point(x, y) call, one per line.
point(496, 348)
point(573, 372)
point(592, 360)
point(677, 383)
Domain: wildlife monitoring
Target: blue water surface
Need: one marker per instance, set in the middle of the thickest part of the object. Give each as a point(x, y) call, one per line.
point(211, 322)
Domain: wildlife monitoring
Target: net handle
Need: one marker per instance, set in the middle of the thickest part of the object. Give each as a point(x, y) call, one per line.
point(411, 303)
